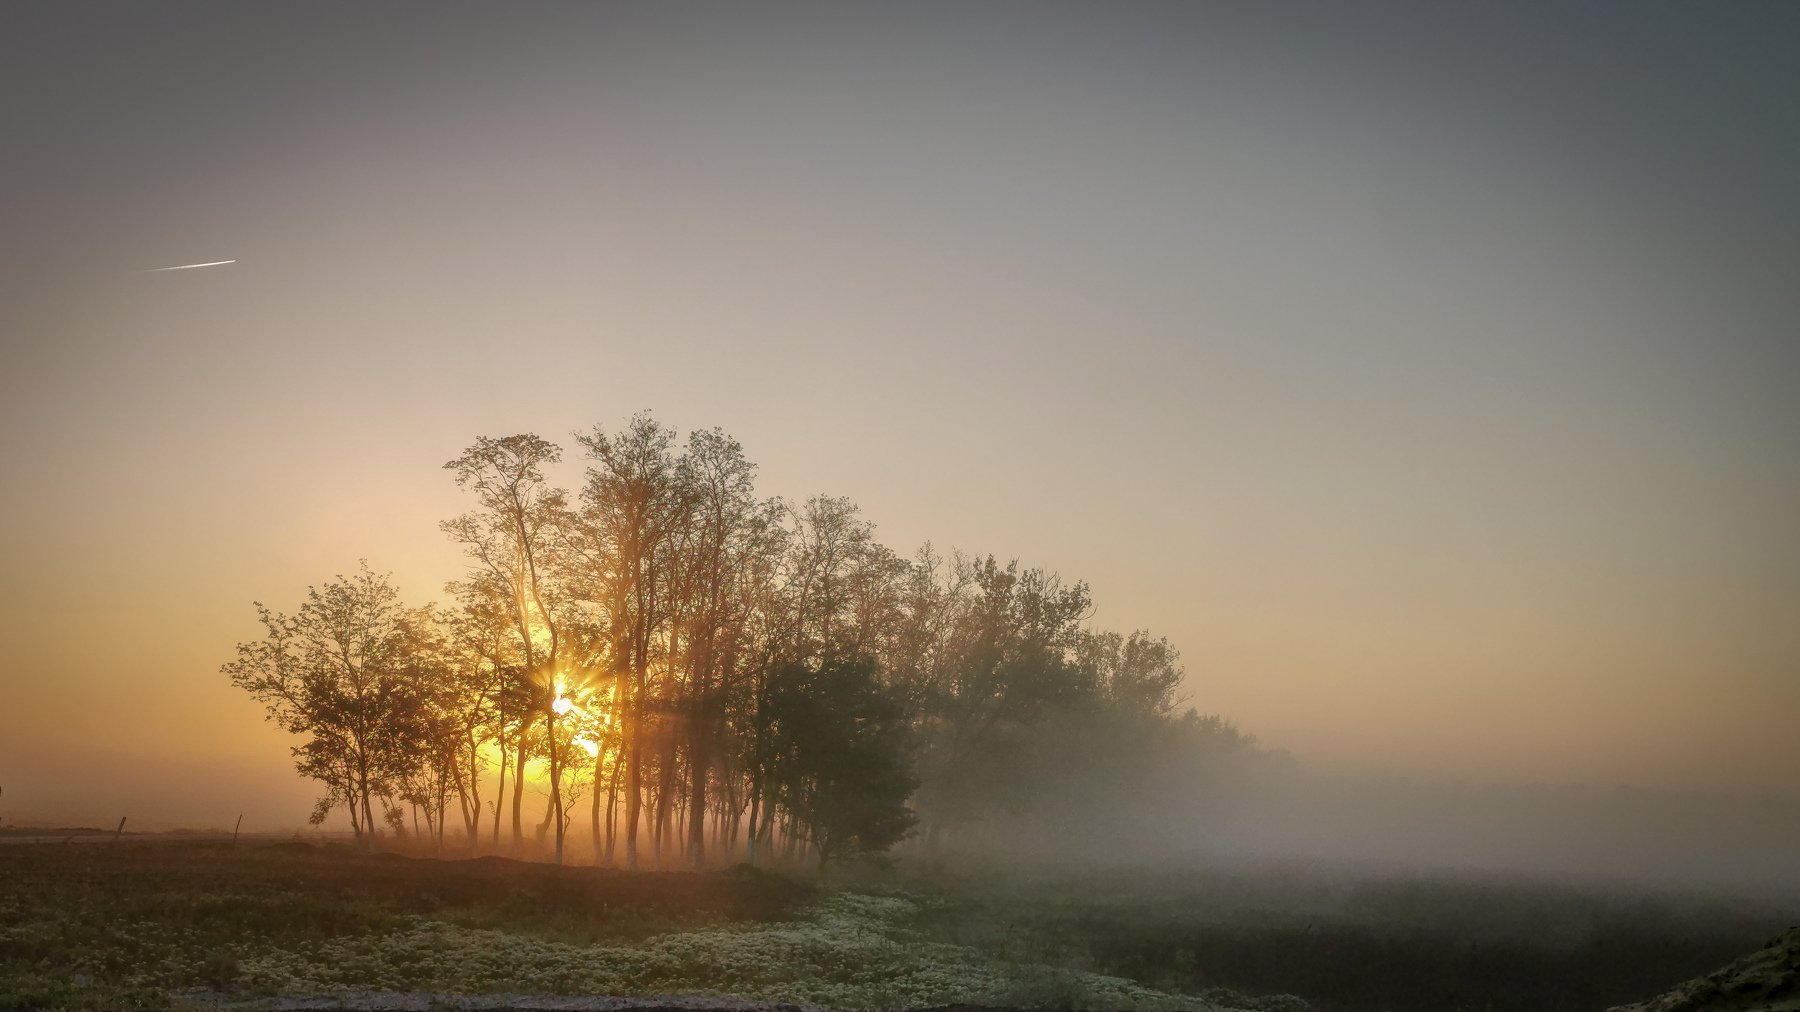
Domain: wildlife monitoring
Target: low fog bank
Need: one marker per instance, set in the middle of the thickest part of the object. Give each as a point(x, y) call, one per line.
point(1256, 807)
point(94, 785)
point(1586, 832)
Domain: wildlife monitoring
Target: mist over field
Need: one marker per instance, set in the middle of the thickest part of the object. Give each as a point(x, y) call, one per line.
point(1271, 811)
point(1244, 507)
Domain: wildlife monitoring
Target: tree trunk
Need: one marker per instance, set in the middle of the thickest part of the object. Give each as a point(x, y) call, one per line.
point(750, 844)
point(470, 797)
point(356, 829)
point(612, 804)
point(634, 783)
point(543, 826)
point(518, 801)
point(665, 791)
point(500, 792)
point(697, 765)
point(362, 768)
point(594, 813)
point(555, 782)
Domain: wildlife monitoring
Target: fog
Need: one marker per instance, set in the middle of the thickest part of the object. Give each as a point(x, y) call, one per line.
point(1252, 441)
point(1258, 811)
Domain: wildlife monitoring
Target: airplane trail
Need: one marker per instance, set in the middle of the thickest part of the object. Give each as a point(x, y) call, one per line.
point(187, 267)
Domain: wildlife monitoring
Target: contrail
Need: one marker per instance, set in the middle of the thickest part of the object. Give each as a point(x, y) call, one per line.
point(185, 267)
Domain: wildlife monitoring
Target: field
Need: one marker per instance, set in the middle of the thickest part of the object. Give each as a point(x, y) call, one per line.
point(1363, 940)
point(158, 924)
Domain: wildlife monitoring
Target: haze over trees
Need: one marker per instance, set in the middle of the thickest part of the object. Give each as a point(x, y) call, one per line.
point(712, 675)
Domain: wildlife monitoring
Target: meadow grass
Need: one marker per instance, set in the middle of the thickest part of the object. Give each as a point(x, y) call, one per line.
point(1357, 940)
point(146, 924)
point(114, 925)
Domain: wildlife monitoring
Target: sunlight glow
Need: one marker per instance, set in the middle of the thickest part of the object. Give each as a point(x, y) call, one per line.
point(562, 704)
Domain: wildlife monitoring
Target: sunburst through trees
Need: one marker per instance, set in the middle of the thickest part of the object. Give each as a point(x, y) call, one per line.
point(718, 676)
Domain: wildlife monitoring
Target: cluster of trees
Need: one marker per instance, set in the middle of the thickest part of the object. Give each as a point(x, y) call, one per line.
point(708, 669)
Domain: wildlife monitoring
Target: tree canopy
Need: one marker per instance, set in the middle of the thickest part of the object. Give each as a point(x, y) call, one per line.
point(710, 671)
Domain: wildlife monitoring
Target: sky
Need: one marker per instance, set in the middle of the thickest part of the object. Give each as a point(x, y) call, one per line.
point(1425, 372)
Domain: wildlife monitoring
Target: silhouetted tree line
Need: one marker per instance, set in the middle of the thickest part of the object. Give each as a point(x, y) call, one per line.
point(717, 675)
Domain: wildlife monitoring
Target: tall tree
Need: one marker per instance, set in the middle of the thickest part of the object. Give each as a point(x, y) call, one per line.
point(633, 505)
point(489, 676)
point(511, 539)
point(336, 673)
point(841, 763)
point(722, 519)
point(1009, 665)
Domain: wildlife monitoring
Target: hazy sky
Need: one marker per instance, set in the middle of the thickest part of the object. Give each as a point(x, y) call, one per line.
point(1427, 373)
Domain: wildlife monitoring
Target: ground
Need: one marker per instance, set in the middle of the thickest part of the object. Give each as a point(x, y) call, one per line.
point(120, 923)
point(105, 924)
point(1767, 980)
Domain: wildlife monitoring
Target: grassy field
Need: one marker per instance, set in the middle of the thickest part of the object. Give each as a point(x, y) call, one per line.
point(153, 924)
point(159, 924)
point(1363, 941)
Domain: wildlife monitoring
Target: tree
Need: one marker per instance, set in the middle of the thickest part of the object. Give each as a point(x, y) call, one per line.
point(840, 763)
point(336, 673)
point(766, 639)
point(633, 505)
point(490, 686)
point(439, 696)
point(722, 523)
point(1006, 667)
point(700, 654)
point(835, 567)
point(511, 540)
point(1137, 674)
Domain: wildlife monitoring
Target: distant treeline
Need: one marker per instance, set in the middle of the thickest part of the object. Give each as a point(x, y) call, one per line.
point(719, 676)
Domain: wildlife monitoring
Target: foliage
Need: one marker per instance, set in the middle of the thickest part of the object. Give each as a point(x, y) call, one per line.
point(840, 756)
point(345, 672)
point(706, 668)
